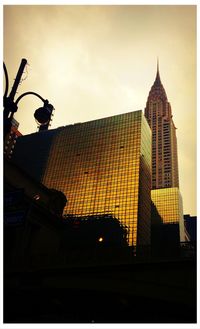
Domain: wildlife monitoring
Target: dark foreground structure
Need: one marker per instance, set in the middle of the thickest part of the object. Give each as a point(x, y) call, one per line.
point(75, 271)
point(143, 292)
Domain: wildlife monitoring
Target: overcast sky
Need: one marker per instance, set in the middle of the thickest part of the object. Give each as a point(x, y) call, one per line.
point(96, 61)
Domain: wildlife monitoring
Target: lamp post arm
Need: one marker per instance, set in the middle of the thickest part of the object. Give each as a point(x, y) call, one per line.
point(7, 80)
point(30, 93)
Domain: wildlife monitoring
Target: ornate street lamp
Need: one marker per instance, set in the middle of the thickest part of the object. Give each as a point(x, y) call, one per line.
point(42, 115)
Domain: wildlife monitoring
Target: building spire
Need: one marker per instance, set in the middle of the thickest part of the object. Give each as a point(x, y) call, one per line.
point(157, 65)
point(157, 80)
point(157, 90)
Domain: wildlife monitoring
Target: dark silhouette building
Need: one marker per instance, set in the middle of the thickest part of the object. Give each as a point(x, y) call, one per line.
point(32, 219)
point(191, 227)
point(32, 151)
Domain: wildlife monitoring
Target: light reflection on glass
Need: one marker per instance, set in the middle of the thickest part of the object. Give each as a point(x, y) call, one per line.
point(102, 166)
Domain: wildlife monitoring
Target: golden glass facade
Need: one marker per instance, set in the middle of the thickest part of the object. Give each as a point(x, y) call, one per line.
point(104, 166)
point(168, 202)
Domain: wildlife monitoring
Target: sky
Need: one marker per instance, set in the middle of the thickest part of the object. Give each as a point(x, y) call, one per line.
point(96, 61)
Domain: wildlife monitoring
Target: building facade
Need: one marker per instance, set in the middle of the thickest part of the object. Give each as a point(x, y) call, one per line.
point(169, 205)
point(164, 144)
point(102, 166)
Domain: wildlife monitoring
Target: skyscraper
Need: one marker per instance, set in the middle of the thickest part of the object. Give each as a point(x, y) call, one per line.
point(102, 166)
point(165, 192)
point(164, 145)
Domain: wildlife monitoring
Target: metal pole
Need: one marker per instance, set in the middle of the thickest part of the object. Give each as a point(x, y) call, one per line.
point(7, 82)
point(18, 78)
point(9, 105)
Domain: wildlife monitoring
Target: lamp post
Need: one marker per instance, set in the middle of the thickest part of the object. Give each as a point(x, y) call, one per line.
point(42, 115)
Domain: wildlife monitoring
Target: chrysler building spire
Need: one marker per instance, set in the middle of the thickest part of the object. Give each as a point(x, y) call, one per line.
point(157, 91)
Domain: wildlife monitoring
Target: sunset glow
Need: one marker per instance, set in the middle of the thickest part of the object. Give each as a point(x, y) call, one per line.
point(96, 61)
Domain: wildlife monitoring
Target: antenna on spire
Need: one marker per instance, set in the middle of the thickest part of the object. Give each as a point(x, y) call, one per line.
point(157, 73)
point(157, 64)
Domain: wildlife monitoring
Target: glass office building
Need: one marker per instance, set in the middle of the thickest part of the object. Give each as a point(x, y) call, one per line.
point(168, 202)
point(104, 166)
